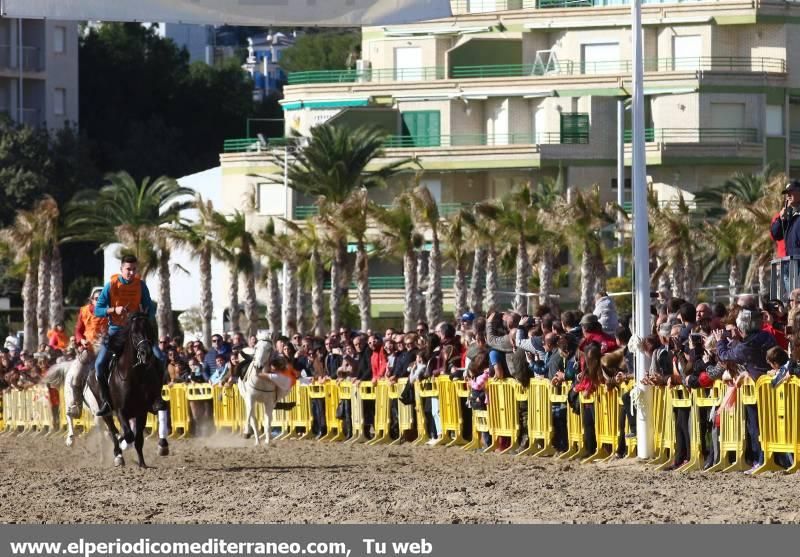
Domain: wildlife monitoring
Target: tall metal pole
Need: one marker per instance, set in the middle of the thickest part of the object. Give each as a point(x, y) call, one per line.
point(20, 59)
point(641, 255)
point(284, 290)
point(620, 183)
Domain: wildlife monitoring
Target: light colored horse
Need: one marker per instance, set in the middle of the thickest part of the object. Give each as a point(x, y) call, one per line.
point(72, 374)
point(256, 388)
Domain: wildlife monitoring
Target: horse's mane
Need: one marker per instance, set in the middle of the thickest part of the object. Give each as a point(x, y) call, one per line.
point(118, 341)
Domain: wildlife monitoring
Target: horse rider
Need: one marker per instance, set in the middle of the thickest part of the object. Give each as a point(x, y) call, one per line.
point(125, 292)
point(89, 330)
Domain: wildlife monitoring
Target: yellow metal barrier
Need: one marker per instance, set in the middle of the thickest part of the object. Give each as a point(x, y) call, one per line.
point(8, 411)
point(480, 425)
point(281, 419)
point(334, 424)
point(42, 411)
point(382, 414)
point(316, 391)
point(503, 417)
point(300, 414)
point(731, 438)
point(423, 389)
point(586, 400)
point(197, 392)
point(574, 430)
point(225, 407)
point(777, 420)
point(540, 419)
point(606, 422)
point(630, 442)
point(178, 409)
point(701, 398)
point(449, 412)
point(676, 397)
point(364, 391)
point(405, 412)
point(661, 420)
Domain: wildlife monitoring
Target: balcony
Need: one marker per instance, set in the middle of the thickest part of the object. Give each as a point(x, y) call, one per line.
point(252, 144)
point(31, 117)
point(697, 135)
point(562, 67)
point(470, 140)
point(302, 212)
point(367, 76)
point(397, 282)
point(32, 58)
point(459, 7)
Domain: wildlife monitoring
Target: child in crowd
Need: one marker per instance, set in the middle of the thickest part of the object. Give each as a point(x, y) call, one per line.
point(478, 377)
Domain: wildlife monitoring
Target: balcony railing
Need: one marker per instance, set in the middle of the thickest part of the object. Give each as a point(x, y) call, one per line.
point(397, 282)
point(32, 58)
point(562, 67)
point(696, 208)
point(468, 140)
point(367, 76)
point(698, 135)
point(302, 212)
point(31, 117)
point(481, 6)
point(794, 138)
point(251, 144)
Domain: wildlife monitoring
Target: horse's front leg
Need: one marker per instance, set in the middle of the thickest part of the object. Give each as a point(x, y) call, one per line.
point(127, 433)
point(163, 431)
point(114, 435)
point(139, 424)
point(70, 431)
point(269, 406)
point(250, 417)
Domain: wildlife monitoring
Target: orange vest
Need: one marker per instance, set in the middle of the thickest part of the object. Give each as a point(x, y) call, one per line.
point(128, 295)
point(93, 327)
point(62, 340)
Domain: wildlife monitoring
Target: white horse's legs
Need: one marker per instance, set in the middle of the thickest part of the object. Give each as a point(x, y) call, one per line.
point(250, 416)
point(70, 431)
point(269, 405)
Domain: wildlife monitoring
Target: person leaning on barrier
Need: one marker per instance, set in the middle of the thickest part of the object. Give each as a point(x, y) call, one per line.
point(784, 226)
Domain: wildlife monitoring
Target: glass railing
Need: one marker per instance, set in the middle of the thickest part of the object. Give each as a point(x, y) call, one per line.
point(698, 135)
point(367, 76)
point(302, 212)
point(561, 67)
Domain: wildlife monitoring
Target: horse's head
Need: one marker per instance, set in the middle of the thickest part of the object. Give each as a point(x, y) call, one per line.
point(140, 337)
point(262, 353)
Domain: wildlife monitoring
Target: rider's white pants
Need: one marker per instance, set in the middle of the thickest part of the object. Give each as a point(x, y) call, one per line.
point(282, 383)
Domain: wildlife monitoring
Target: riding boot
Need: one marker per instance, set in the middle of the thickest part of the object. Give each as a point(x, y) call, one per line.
point(105, 398)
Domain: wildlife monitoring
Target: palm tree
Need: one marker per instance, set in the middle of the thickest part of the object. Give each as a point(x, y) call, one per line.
point(330, 168)
point(355, 212)
point(484, 236)
point(427, 213)
point(751, 199)
point(21, 241)
point(548, 197)
point(676, 239)
point(47, 214)
point(587, 216)
point(201, 238)
point(455, 252)
point(729, 238)
point(142, 218)
point(240, 244)
point(400, 238)
point(311, 243)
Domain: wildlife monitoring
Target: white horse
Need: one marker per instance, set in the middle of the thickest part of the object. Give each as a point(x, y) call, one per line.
point(258, 385)
point(72, 374)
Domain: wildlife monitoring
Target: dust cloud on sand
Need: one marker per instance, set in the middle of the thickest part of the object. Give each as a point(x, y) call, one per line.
point(225, 479)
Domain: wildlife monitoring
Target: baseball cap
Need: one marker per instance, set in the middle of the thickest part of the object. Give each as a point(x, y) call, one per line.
point(794, 185)
point(468, 317)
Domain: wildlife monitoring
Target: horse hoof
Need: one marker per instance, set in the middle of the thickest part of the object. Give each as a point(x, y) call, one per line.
point(163, 451)
point(247, 435)
point(69, 441)
point(119, 461)
point(142, 465)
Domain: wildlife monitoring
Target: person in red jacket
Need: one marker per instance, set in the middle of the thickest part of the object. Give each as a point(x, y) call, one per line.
point(593, 332)
point(780, 245)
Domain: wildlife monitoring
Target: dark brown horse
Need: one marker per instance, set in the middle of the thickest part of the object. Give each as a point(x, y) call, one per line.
point(134, 384)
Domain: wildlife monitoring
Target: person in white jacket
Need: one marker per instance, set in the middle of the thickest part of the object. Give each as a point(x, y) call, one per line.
point(606, 312)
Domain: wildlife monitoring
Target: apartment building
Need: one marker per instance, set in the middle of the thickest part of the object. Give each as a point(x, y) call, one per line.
point(39, 71)
point(509, 91)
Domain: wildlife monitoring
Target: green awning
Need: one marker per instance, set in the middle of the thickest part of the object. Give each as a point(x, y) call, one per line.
point(332, 103)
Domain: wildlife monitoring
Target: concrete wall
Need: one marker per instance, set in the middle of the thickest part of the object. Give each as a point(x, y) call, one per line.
point(381, 51)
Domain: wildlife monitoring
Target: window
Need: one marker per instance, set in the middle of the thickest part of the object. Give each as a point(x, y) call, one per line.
point(774, 120)
point(59, 102)
point(686, 52)
point(59, 40)
point(421, 128)
point(408, 63)
point(727, 115)
point(600, 58)
point(574, 127)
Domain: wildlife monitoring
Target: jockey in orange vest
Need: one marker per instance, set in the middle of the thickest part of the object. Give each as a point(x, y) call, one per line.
point(89, 329)
point(124, 293)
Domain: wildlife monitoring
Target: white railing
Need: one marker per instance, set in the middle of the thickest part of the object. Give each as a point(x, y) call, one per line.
point(32, 58)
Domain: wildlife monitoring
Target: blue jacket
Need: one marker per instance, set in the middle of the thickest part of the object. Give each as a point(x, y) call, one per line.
point(789, 231)
point(750, 352)
point(101, 307)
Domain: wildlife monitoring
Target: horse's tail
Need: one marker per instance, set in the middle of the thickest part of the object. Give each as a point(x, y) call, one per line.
point(57, 372)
